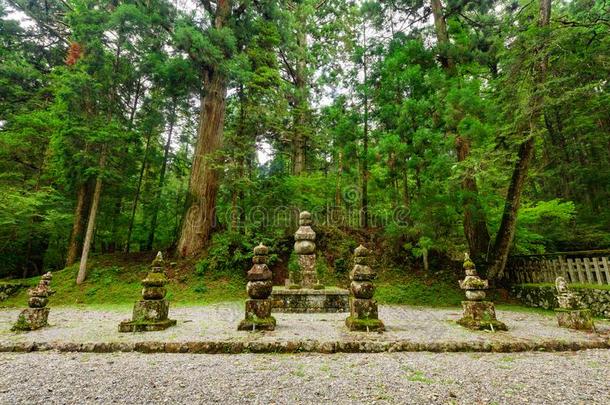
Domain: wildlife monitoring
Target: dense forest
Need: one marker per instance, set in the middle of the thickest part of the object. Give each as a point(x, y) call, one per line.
point(202, 127)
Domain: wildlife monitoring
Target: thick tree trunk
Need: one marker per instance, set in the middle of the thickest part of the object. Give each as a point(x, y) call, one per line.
point(506, 233)
point(200, 215)
point(155, 214)
point(82, 269)
point(475, 223)
point(78, 226)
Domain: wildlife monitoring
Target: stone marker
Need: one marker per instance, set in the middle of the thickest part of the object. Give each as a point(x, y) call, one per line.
point(151, 313)
point(258, 307)
point(478, 314)
point(363, 308)
point(37, 314)
point(305, 248)
point(570, 313)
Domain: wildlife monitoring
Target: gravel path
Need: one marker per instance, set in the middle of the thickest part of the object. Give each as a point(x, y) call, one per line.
point(395, 378)
point(219, 323)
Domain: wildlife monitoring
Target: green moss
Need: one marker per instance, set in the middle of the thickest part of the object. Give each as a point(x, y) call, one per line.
point(365, 325)
point(112, 285)
point(21, 324)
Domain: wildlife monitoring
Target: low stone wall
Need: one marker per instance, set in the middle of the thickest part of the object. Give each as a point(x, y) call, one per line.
point(8, 289)
point(543, 296)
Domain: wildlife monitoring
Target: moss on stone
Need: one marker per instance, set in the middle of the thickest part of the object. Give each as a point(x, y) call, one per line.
point(364, 324)
point(484, 324)
point(255, 323)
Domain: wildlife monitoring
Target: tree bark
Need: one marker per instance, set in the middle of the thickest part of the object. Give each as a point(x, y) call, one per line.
point(82, 269)
point(442, 35)
point(78, 226)
point(475, 223)
point(506, 232)
point(200, 215)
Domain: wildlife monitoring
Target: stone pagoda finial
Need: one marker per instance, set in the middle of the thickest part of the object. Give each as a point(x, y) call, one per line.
point(363, 308)
point(37, 314)
point(305, 247)
point(260, 285)
point(570, 313)
point(478, 314)
point(152, 311)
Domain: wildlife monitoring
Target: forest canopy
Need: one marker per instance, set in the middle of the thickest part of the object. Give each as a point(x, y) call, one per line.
point(203, 127)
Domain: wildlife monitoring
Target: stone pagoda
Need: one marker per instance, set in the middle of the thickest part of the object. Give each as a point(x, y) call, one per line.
point(478, 314)
point(305, 248)
point(570, 313)
point(151, 312)
point(307, 294)
point(260, 285)
point(36, 316)
point(363, 308)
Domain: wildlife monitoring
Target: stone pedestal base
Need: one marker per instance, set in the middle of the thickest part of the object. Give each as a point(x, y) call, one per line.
point(32, 319)
point(364, 316)
point(145, 326)
point(148, 316)
point(309, 300)
point(579, 319)
point(258, 316)
point(480, 315)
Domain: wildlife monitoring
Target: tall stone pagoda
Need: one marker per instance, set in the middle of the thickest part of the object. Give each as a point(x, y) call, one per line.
point(478, 314)
point(571, 313)
point(363, 308)
point(260, 285)
point(305, 248)
point(307, 294)
point(36, 316)
point(151, 312)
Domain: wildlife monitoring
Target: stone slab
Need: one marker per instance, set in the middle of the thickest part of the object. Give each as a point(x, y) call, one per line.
point(145, 326)
point(309, 300)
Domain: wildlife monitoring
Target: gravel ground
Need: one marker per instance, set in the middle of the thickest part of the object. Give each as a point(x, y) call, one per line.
point(219, 323)
point(396, 378)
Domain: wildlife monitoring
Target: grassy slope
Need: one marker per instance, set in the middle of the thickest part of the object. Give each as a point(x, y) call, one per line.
point(114, 280)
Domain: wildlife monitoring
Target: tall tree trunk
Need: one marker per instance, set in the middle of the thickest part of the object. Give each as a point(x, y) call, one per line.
point(155, 214)
point(506, 232)
point(136, 198)
point(82, 269)
point(364, 206)
point(200, 215)
point(442, 36)
point(301, 98)
point(78, 226)
point(475, 223)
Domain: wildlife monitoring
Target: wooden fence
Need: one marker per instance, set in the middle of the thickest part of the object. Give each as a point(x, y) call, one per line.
point(590, 267)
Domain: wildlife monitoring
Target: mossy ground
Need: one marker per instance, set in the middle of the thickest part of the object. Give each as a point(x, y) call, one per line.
point(114, 280)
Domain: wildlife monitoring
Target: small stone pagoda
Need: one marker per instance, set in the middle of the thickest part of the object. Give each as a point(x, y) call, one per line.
point(308, 294)
point(478, 314)
point(570, 313)
point(258, 306)
point(305, 248)
point(36, 316)
point(151, 312)
point(363, 308)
